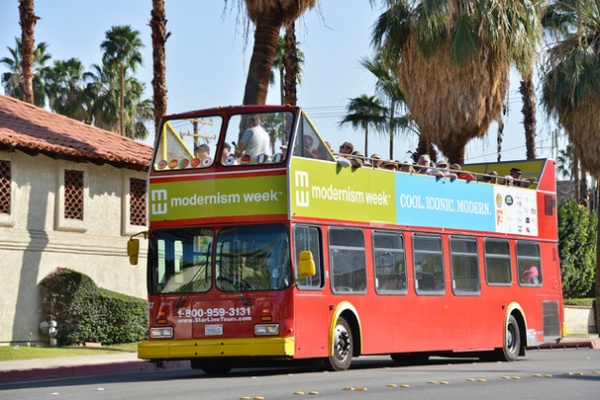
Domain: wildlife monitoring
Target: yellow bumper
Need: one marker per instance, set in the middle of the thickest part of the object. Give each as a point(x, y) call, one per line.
point(185, 349)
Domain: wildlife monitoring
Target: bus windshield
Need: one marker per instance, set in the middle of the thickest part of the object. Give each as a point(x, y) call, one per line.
point(247, 139)
point(253, 258)
point(180, 260)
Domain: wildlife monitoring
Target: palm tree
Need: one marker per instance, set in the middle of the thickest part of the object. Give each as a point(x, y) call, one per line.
point(158, 24)
point(293, 70)
point(571, 88)
point(388, 88)
point(28, 20)
point(268, 17)
point(65, 88)
point(12, 81)
point(280, 61)
point(453, 59)
point(122, 53)
point(364, 112)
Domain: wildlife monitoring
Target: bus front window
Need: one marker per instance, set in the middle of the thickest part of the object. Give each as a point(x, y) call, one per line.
point(253, 258)
point(180, 261)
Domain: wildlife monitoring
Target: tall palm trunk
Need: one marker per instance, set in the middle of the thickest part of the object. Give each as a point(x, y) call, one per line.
point(263, 54)
point(598, 261)
point(528, 110)
point(291, 65)
point(122, 104)
point(28, 20)
point(583, 189)
point(576, 178)
point(392, 127)
point(158, 24)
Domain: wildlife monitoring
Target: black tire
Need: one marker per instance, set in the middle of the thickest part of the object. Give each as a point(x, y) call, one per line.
point(343, 347)
point(210, 369)
point(512, 344)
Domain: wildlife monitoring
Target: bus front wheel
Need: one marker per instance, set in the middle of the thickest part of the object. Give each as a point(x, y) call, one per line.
point(343, 347)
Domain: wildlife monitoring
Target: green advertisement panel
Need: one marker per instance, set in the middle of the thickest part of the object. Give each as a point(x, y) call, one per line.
point(325, 190)
point(218, 197)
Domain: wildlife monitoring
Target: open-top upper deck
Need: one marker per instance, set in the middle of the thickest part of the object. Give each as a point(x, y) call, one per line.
point(206, 170)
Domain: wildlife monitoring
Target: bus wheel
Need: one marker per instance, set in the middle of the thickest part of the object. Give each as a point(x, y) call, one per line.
point(343, 347)
point(512, 344)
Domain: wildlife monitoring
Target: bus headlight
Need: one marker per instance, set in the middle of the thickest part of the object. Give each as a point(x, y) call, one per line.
point(266, 329)
point(161, 333)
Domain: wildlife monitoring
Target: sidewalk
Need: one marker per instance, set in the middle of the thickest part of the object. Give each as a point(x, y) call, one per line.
point(66, 367)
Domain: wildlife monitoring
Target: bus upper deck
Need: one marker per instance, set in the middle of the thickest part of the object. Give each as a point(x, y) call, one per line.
point(197, 177)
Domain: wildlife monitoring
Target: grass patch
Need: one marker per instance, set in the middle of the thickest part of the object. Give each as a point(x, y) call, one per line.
point(12, 353)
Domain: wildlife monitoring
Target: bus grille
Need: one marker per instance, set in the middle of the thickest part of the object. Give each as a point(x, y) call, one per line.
point(551, 318)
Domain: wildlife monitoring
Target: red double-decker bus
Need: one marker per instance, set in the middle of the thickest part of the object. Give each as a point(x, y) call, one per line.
point(275, 248)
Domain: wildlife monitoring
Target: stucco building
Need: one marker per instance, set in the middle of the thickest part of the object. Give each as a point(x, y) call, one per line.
point(70, 196)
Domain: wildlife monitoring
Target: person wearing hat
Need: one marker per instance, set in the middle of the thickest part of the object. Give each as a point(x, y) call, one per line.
point(491, 177)
point(376, 161)
point(357, 159)
point(460, 174)
point(407, 166)
point(516, 175)
point(346, 148)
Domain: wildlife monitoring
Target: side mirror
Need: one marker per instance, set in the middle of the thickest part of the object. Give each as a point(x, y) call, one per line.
point(133, 250)
point(306, 265)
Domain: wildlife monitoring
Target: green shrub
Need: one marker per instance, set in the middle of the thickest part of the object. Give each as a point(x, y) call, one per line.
point(577, 233)
point(86, 313)
point(579, 302)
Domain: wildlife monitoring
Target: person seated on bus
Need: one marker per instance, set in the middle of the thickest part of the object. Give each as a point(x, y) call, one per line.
point(203, 151)
point(357, 159)
point(226, 153)
point(508, 180)
point(460, 174)
point(491, 177)
point(442, 167)
point(516, 173)
point(307, 147)
point(255, 140)
point(427, 167)
point(346, 148)
point(390, 165)
point(376, 161)
point(531, 275)
point(407, 166)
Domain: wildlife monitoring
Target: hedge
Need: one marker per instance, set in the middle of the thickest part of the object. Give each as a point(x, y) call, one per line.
point(86, 313)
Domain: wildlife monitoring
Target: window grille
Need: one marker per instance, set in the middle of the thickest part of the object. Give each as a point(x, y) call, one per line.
point(137, 201)
point(74, 194)
point(5, 190)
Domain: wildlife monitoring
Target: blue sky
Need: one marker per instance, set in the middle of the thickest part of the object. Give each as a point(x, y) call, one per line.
point(208, 55)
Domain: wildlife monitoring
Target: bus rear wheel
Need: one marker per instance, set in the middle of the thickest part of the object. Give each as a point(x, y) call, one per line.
point(343, 347)
point(512, 343)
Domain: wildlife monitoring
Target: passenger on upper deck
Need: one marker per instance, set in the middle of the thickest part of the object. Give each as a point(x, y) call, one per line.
point(467, 176)
point(203, 151)
point(516, 175)
point(377, 163)
point(426, 166)
point(226, 153)
point(255, 140)
point(346, 148)
point(407, 166)
point(491, 177)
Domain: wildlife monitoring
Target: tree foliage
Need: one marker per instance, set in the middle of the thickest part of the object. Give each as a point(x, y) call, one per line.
point(577, 234)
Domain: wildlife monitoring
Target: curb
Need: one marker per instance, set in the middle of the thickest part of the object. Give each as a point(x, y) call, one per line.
point(571, 344)
point(89, 369)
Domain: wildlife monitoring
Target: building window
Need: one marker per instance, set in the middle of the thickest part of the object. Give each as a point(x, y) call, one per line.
point(137, 202)
point(73, 199)
point(5, 187)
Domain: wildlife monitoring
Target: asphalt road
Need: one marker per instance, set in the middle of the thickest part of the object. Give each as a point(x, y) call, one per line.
point(543, 374)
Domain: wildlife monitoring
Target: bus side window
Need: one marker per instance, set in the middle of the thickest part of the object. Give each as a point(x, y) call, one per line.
point(308, 238)
point(389, 262)
point(529, 263)
point(428, 264)
point(347, 260)
point(465, 266)
point(497, 262)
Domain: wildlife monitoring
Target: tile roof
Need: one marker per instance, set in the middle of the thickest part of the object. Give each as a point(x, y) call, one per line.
point(34, 130)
